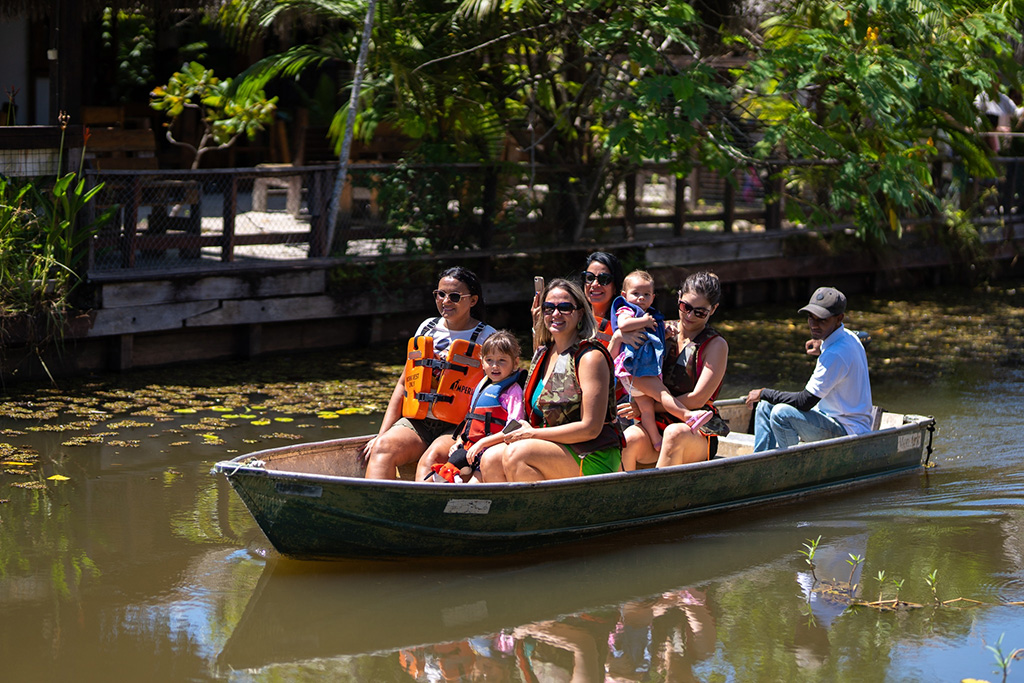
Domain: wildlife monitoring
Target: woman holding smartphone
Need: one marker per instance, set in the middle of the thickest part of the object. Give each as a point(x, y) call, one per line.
point(570, 400)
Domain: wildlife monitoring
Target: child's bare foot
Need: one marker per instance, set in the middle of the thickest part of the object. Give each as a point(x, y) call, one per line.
point(652, 433)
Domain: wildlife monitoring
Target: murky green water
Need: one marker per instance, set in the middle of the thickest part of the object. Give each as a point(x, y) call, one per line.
point(142, 565)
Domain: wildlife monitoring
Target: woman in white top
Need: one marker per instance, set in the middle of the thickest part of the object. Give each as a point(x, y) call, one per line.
point(402, 440)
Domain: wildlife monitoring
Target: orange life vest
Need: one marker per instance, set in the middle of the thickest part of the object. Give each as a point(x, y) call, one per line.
point(449, 393)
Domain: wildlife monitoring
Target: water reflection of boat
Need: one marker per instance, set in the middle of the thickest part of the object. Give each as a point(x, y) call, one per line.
point(312, 502)
point(306, 611)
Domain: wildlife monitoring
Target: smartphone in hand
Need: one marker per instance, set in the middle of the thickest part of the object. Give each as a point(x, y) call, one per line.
point(511, 426)
point(538, 284)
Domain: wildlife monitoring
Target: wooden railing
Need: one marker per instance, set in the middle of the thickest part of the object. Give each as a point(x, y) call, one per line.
point(167, 219)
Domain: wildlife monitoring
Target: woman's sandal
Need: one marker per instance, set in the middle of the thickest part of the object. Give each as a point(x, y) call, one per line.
point(697, 420)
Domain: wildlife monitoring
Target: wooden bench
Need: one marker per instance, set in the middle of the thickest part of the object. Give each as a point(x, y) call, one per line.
point(174, 204)
point(738, 443)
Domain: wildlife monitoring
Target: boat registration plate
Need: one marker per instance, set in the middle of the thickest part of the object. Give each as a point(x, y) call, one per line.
point(909, 441)
point(467, 506)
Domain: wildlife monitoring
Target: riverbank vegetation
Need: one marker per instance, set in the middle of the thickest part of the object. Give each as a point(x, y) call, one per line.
point(44, 231)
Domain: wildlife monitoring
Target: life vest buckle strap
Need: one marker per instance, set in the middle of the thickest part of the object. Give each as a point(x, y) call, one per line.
point(434, 398)
point(431, 363)
point(487, 419)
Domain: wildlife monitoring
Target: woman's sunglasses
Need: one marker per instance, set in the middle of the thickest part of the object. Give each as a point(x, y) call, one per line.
point(563, 307)
point(454, 297)
point(699, 312)
point(603, 279)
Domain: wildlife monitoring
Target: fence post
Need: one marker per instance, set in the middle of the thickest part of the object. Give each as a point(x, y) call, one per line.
point(773, 198)
point(680, 209)
point(318, 200)
point(131, 221)
point(729, 204)
point(227, 246)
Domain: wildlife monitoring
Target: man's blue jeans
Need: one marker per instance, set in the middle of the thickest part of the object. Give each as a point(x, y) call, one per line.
point(782, 425)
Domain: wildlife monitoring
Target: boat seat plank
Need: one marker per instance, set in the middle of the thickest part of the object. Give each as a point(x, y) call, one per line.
point(890, 420)
point(736, 443)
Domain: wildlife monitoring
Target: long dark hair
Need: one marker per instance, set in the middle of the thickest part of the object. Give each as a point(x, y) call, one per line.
point(472, 282)
point(611, 262)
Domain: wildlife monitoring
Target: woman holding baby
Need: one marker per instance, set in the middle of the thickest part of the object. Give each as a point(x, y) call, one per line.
point(695, 359)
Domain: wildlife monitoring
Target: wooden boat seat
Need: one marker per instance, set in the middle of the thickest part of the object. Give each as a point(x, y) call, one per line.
point(736, 443)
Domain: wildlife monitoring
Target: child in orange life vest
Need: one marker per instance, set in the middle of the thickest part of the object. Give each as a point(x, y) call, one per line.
point(498, 399)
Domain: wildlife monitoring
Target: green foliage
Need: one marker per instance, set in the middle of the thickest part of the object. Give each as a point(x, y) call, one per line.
point(874, 89)
point(42, 242)
point(1004, 661)
point(876, 92)
point(225, 114)
point(593, 85)
point(135, 46)
point(880, 578)
point(810, 548)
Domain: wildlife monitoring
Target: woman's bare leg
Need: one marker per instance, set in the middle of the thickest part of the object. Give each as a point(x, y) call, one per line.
point(638, 450)
point(681, 445)
point(538, 460)
point(492, 467)
point(396, 447)
point(437, 452)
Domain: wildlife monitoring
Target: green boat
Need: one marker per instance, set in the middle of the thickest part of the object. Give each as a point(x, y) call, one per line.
point(312, 501)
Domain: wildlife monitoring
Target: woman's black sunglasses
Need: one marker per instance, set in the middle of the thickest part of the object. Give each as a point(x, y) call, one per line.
point(603, 279)
point(699, 312)
point(563, 307)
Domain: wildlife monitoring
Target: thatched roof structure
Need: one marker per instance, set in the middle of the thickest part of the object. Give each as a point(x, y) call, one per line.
point(35, 9)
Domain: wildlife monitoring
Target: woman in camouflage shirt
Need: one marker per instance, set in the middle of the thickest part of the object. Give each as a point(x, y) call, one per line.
point(570, 399)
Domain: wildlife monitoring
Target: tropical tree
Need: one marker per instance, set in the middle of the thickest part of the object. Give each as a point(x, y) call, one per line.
point(874, 90)
point(590, 87)
point(225, 116)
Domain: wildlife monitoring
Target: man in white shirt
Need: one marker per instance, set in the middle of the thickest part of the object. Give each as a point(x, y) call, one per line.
point(837, 398)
